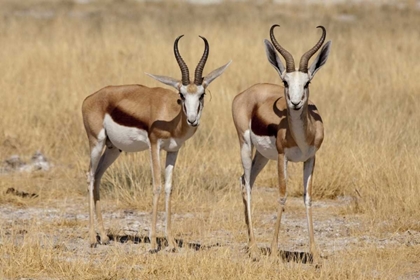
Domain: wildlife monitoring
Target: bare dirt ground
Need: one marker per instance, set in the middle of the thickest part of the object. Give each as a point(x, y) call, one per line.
point(129, 228)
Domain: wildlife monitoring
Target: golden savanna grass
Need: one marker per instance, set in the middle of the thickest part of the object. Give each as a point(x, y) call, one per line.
point(55, 53)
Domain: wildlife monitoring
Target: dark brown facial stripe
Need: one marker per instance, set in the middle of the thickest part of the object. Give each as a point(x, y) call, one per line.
point(125, 119)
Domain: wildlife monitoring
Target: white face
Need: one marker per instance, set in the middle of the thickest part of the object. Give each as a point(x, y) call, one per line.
point(296, 89)
point(192, 99)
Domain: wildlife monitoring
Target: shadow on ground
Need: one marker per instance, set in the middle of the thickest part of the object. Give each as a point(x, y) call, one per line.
point(288, 256)
point(161, 241)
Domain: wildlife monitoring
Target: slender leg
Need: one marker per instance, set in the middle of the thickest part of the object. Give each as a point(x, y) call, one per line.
point(95, 155)
point(170, 163)
point(247, 182)
point(282, 175)
point(258, 164)
point(110, 155)
point(246, 156)
point(308, 169)
point(155, 158)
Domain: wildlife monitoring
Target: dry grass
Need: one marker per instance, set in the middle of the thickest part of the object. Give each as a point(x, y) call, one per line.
point(53, 54)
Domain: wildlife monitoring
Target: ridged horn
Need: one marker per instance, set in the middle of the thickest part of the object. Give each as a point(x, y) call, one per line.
point(198, 77)
point(290, 62)
point(303, 65)
point(182, 65)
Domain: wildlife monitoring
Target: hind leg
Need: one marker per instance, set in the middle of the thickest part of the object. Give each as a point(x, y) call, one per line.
point(258, 164)
point(109, 156)
point(96, 148)
point(245, 181)
point(251, 171)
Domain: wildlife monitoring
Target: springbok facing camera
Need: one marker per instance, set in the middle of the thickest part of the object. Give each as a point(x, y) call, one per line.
point(134, 118)
point(283, 127)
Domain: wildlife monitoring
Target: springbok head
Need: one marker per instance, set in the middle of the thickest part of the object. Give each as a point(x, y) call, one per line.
point(192, 94)
point(296, 83)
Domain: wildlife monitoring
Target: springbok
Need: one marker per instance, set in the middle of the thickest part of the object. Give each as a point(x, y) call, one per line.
point(283, 127)
point(134, 118)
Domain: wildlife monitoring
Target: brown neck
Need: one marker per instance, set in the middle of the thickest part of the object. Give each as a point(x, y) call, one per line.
point(299, 126)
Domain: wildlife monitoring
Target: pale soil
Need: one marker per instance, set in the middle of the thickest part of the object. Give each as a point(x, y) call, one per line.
point(66, 226)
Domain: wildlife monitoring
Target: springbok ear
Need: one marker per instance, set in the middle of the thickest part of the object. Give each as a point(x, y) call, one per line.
point(320, 60)
point(274, 58)
point(214, 74)
point(166, 80)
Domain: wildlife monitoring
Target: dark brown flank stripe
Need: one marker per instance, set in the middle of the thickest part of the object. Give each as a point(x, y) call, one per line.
point(122, 118)
point(260, 128)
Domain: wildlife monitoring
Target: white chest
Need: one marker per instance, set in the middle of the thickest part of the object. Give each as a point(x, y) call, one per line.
point(303, 151)
point(295, 154)
point(171, 144)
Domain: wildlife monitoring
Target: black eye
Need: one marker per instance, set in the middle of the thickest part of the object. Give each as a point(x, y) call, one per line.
point(182, 96)
point(286, 85)
point(306, 85)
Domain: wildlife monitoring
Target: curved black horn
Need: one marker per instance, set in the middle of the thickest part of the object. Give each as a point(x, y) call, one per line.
point(198, 77)
point(290, 62)
point(182, 65)
point(303, 65)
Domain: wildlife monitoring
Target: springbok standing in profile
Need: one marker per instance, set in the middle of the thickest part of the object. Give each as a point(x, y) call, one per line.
point(134, 118)
point(283, 127)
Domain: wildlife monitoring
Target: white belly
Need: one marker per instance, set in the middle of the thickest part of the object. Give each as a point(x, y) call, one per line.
point(132, 139)
point(265, 145)
point(296, 155)
point(128, 139)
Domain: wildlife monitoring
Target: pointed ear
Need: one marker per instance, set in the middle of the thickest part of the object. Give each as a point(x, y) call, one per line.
point(320, 60)
point(166, 80)
point(274, 58)
point(214, 74)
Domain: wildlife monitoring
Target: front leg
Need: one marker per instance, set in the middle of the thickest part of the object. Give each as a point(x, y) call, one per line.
point(282, 178)
point(308, 169)
point(155, 163)
point(170, 163)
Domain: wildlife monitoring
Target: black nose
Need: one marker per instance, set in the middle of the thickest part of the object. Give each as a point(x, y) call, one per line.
point(295, 104)
point(191, 123)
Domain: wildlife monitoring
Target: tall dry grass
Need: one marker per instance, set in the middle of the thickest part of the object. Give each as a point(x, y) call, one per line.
point(54, 54)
